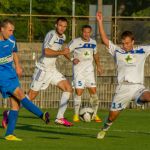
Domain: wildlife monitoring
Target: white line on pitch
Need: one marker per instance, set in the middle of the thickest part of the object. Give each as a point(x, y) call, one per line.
point(85, 128)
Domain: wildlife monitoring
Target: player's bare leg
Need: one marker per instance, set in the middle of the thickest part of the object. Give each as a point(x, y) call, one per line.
point(111, 118)
point(32, 94)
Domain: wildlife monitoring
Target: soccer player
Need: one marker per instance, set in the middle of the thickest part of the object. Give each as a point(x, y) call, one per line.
point(9, 83)
point(84, 51)
point(46, 72)
point(130, 61)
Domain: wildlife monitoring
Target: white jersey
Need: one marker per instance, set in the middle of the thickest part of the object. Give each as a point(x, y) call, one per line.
point(130, 65)
point(83, 51)
point(54, 42)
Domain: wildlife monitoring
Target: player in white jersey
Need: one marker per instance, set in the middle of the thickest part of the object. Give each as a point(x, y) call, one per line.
point(46, 72)
point(84, 51)
point(130, 68)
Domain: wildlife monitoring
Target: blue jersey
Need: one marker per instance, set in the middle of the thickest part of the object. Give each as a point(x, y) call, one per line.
point(7, 47)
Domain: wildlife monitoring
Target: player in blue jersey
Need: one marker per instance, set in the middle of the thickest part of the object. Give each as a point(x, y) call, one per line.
point(130, 61)
point(9, 83)
point(84, 51)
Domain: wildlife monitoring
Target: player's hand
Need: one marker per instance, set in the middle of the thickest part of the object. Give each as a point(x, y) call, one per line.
point(99, 16)
point(76, 61)
point(19, 71)
point(66, 51)
point(100, 70)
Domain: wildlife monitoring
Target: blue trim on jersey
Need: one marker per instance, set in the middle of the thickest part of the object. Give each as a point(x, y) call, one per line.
point(60, 42)
point(140, 51)
point(87, 45)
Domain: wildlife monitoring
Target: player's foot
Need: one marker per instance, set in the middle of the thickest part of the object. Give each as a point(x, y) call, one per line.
point(5, 119)
point(46, 117)
point(63, 121)
point(101, 134)
point(76, 118)
point(97, 118)
point(12, 138)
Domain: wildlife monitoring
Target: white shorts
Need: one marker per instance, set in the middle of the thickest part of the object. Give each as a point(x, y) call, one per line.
point(84, 79)
point(42, 78)
point(125, 93)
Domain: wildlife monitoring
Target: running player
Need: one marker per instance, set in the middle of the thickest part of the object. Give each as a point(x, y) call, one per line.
point(130, 61)
point(84, 51)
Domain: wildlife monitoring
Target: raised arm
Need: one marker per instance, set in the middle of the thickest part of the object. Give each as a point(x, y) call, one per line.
point(103, 35)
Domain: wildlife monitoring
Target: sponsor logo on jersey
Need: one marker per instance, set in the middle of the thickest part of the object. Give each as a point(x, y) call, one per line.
point(6, 59)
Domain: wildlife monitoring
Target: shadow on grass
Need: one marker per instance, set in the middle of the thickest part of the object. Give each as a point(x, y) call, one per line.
point(51, 130)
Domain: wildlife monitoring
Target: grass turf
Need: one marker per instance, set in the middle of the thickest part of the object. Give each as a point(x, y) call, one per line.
point(130, 131)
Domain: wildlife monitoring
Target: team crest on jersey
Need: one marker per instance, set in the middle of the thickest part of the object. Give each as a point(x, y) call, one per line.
point(86, 54)
point(129, 59)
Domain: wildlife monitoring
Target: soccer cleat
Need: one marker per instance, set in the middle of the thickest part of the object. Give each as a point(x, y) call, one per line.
point(5, 119)
point(63, 121)
point(46, 117)
point(12, 138)
point(76, 118)
point(101, 134)
point(97, 119)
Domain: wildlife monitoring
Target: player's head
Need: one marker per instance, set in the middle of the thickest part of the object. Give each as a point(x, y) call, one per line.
point(127, 39)
point(6, 28)
point(61, 25)
point(86, 32)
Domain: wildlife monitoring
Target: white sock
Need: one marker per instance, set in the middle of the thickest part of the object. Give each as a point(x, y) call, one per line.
point(94, 103)
point(77, 103)
point(63, 104)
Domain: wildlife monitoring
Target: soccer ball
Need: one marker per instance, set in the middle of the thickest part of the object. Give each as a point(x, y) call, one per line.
point(86, 114)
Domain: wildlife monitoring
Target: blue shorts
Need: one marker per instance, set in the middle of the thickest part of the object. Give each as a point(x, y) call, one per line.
point(8, 87)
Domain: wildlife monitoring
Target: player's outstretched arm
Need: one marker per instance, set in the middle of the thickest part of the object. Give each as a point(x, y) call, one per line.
point(103, 35)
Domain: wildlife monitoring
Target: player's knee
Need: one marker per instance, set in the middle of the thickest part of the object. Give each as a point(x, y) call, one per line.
point(68, 88)
point(32, 94)
point(19, 94)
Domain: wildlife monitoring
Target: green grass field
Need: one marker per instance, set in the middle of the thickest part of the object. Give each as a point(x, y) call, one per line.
point(130, 132)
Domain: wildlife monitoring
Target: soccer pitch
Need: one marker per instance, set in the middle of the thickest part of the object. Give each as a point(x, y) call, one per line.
point(130, 131)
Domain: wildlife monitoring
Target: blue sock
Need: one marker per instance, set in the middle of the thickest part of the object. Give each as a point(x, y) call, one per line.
point(12, 119)
point(31, 107)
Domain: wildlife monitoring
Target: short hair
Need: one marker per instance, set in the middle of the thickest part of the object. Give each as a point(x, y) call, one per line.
point(5, 22)
point(86, 26)
point(127, 34)
point(61, 19)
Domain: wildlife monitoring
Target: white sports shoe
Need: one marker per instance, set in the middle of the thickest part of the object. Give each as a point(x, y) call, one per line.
point(101, 134)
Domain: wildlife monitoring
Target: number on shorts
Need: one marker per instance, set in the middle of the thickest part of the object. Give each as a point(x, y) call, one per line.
point(79, 83)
